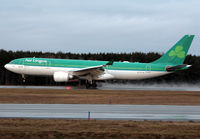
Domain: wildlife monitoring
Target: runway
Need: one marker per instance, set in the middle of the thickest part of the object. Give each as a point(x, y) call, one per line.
point(105, 86)
point(99, 111)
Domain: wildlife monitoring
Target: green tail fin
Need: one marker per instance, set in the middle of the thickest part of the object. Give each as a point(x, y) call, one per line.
point(176, 55)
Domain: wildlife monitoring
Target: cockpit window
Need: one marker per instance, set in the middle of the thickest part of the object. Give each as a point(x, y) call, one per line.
point(11, 62)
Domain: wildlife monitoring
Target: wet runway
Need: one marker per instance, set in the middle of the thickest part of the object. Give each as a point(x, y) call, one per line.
point(31, 87)
point(99, 111)
point(105, 86)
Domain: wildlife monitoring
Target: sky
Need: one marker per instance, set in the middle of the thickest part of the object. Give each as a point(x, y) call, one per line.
point(94, 26)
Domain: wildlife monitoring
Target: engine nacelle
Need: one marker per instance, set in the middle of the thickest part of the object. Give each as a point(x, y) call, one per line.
point(61, 76)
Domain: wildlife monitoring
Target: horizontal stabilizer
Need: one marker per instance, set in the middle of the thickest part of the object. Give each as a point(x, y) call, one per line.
point(178, 67)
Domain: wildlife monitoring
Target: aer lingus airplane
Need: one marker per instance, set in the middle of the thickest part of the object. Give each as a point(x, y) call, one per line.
point(63, 70)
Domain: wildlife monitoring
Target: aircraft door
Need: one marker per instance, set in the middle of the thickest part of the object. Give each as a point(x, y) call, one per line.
point(21, 66)
point(48, 63)
point(148, 68)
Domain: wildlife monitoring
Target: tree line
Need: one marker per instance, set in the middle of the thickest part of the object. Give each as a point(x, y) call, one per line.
point(192, 75)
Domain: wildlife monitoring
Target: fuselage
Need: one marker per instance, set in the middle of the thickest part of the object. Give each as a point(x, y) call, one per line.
point(119, 70)
point(63, 70)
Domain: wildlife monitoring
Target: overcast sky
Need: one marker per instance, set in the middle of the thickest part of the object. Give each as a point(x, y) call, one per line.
point(82, 26)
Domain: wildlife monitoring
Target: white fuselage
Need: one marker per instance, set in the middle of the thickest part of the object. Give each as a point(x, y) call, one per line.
point(109, 74)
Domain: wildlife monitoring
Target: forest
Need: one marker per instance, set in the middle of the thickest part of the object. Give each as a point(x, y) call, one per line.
point(191, 76)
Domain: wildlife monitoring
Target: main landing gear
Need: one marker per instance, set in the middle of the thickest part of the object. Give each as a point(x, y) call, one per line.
point(91, 84)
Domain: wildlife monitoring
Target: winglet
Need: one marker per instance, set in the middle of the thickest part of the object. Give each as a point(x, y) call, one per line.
point(110, 63)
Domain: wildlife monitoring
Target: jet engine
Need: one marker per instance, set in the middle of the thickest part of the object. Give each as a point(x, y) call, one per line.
point(61, 76)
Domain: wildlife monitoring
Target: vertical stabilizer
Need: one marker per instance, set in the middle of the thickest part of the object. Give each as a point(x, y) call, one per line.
point(176, 55)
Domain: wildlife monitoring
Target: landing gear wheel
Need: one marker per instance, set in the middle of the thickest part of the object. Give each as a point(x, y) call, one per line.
point(92, 85)
point(23, 79)
point(87, 86)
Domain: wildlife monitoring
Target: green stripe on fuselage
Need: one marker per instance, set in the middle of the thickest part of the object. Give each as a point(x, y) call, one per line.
point(70, 63)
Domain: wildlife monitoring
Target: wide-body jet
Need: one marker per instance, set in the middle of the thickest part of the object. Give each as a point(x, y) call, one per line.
point(64, 70)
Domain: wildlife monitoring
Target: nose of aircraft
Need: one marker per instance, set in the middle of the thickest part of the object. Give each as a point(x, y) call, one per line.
point(6, 66)
point(9, 67)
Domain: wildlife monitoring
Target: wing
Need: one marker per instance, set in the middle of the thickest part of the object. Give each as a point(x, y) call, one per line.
point(91, 72)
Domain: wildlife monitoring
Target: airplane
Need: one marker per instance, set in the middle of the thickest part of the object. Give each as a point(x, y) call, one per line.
point(64, 70)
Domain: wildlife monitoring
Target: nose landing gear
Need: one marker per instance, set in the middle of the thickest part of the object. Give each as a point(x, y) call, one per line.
point(23, 78)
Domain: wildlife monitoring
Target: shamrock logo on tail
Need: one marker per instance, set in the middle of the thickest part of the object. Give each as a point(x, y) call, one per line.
point(177, 52)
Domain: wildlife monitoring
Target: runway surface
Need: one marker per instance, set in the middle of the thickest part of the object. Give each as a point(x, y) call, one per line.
point(99, 111)
point(158, 87)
